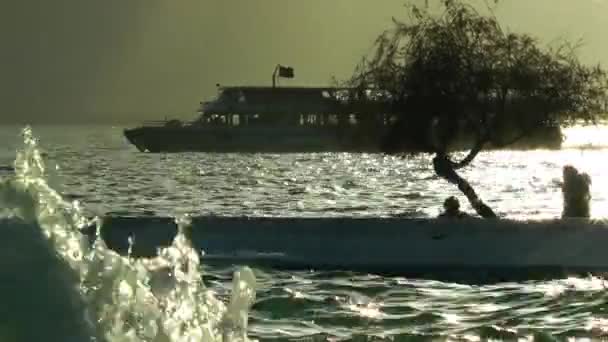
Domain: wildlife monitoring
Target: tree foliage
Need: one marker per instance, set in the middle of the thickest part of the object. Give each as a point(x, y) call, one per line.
point(460, 71)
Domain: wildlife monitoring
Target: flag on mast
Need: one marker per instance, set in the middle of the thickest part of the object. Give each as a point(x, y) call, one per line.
point(286, 72)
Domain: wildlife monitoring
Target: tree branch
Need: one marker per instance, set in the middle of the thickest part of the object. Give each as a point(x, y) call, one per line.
point(472, 154)
point(443, 167)
point(482, 139)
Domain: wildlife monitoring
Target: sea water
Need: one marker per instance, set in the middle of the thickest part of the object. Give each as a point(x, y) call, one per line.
point(56, 285)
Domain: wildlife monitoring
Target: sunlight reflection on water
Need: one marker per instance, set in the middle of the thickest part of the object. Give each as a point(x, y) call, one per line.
point(109, 175)
point(586, 136)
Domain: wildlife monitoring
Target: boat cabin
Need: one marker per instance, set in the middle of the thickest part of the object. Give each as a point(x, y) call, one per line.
point(295, 106)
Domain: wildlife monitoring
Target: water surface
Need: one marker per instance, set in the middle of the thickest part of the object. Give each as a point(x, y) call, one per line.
point(98, 168)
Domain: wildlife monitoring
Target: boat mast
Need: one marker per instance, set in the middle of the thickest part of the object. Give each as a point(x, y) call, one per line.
point(274, 75)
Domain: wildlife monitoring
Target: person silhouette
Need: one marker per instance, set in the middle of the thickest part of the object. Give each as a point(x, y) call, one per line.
point(576, 190)
point(451, 207)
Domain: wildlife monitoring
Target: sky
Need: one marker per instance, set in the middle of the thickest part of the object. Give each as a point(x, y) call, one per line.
point(125, 61)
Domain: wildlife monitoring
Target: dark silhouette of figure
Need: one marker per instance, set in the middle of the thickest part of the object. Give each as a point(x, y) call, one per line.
point(576, 192)
point(451, 207)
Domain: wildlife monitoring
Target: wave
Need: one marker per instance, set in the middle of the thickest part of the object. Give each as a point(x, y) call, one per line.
point(57, 284)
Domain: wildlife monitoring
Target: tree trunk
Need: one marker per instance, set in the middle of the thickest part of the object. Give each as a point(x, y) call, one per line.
point(445, 168)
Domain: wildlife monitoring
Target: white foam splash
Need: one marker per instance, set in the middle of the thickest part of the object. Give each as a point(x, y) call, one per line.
point(115, 297)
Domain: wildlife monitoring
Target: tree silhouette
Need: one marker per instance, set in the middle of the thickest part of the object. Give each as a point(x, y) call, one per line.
point(460, 73)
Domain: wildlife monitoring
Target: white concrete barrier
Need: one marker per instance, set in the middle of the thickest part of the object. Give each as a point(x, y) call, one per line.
point(382, 245)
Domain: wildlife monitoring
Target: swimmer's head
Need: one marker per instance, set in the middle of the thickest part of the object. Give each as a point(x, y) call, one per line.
point(451, 204)
point(569, 172)
point(572, 177)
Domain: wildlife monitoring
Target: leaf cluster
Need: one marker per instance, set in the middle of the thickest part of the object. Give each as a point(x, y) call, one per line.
point(460, 71)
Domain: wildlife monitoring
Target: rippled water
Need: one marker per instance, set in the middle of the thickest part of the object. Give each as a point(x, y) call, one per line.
point(96, 166)
point(347, 305)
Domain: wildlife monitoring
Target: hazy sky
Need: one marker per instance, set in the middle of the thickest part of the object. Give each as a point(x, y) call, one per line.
point(131, 60)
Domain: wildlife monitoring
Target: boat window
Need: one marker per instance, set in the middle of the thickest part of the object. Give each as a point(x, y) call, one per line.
point(225, 96)
point(333, 119)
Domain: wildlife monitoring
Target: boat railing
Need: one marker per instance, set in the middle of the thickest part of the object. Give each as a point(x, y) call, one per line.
point(165, 123)
point(155, 122)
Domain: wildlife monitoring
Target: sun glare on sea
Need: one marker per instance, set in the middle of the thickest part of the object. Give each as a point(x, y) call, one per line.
point(529, 182)
point(586, 148)
point(586, 137)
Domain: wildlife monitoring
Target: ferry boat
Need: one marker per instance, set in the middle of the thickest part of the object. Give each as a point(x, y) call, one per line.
point(270, 119)
point(275, 119)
